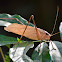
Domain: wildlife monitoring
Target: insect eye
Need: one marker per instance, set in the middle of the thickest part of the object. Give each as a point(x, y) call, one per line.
point(47, 34)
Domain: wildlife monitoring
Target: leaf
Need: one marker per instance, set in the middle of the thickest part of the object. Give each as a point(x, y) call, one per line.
point(7, 58)
point(18, 52)
point(4, 23)
point(4, 40)
point(60, 29)
point(45, 56)
point(55, 51)
point(42, 54)
point(18, 40)
point(36, 56)
point(24, 21)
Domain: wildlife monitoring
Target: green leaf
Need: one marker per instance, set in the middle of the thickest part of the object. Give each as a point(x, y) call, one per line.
point(42, 54)
point(4, 40)
point(60, 29)
point(18, 40)
point(24, 21)
point(36, 57)
point(7, 58)
point(45, 56)
point(18, 52)
point(59, 46)
point(55, 53)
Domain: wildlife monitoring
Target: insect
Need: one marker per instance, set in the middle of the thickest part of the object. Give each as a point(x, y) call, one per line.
point(30, 32)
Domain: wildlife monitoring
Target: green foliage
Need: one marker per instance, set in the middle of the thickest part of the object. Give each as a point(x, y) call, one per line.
point(21, 19)
point(4, 40)
point(7, 58)
point(19, 40)
point(44, 56)
point(36, 56)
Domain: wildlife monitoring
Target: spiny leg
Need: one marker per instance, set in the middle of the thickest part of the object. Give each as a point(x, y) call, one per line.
point(13, 19)
point(27, 26)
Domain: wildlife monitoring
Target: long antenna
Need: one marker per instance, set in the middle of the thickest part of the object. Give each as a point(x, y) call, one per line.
point(55, 33)
point(55, 19)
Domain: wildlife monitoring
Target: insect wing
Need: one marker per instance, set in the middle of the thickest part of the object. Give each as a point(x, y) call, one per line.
point(19, 29)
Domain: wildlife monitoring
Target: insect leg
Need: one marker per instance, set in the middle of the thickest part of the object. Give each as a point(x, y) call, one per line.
point(13, 19)
point(32, 16)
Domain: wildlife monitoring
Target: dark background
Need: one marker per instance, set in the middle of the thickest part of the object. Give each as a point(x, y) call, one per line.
point(43, 10)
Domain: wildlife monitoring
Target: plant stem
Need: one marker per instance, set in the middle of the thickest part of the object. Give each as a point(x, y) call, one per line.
point(2, 54)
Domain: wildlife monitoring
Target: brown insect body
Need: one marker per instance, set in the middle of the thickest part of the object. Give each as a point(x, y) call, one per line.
point(29, 33)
